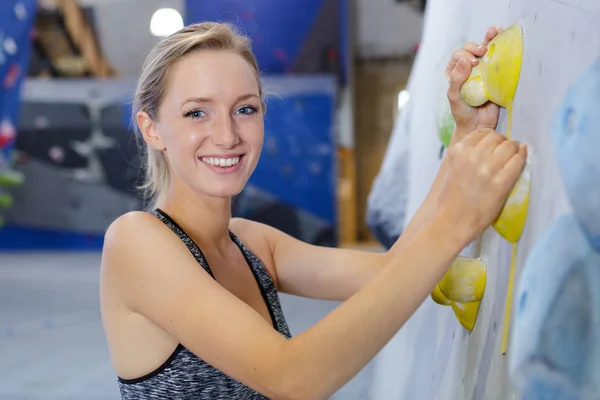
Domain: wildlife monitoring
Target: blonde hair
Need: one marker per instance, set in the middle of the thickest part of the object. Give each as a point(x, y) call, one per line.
point(153, 83)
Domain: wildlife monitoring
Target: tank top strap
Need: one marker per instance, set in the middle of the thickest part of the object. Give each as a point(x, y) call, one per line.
point(266, 285)
point(190, 244)
point(257, 266)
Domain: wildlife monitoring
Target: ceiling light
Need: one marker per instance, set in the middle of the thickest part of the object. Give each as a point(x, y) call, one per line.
point(165, 22)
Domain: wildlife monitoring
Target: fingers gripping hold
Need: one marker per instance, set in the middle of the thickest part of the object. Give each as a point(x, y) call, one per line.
point(455, 63)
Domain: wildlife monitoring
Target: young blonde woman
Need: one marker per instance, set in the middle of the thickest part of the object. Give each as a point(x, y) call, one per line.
point(190, 296)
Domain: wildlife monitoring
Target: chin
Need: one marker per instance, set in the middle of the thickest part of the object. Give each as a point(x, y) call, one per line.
point(225, 191)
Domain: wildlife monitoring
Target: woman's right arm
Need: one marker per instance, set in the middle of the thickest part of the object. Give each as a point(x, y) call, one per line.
point(155, 276)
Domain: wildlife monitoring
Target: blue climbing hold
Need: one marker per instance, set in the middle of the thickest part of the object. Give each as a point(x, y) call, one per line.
point(554, 346)
point(576, 131)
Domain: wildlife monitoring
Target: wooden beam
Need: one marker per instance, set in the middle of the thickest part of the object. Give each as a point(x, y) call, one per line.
point(83, 37)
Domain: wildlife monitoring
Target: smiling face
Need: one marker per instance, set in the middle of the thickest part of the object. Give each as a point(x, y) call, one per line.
point(210, 123)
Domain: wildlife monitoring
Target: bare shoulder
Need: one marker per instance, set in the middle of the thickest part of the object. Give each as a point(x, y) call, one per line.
point(132, 235)
point(130, 226)
point(136, 246)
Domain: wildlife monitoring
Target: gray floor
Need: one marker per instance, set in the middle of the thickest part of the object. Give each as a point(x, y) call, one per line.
point(51, 340)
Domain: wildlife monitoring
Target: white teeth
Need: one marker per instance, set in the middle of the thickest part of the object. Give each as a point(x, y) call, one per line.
point(221, 162)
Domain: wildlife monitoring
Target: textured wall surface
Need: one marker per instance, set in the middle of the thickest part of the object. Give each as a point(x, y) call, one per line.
point(433, 357)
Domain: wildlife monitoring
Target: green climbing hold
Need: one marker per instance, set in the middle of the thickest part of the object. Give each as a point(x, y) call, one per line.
point(445, 128)
point(6, 200)
point(11, 178)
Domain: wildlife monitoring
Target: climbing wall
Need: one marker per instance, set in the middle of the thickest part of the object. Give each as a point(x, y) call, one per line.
point(16, 23)
point(552, 348)
point(287, 36)
point(78, 154)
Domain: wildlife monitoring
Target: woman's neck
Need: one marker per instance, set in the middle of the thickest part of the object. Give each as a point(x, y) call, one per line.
point(205, 219)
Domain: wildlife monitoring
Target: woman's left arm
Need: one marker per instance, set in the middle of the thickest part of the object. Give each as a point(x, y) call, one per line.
point(335, 273)
point(328, 273)
point(317, 272)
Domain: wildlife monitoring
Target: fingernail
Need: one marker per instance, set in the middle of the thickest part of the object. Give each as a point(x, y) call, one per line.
point(481, 47)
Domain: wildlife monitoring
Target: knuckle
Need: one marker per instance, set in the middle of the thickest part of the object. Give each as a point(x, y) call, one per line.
point(499, 139)
point(455, 150)
point(485, 172)
point(473, 159)
point(470, 46)
point(473, 133)
point(458, 151)
point(453, 95)
point(505, 145)
point(512, 145)
point(495, 138)
point(498, 184)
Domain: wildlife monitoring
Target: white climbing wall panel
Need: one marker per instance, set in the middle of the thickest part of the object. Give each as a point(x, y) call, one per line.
point(433, 357)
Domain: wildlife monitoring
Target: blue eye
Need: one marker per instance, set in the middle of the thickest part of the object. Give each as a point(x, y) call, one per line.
point(195, 114)
point(247, 110)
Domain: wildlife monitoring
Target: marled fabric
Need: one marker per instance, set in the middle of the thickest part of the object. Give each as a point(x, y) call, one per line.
point(184, 375)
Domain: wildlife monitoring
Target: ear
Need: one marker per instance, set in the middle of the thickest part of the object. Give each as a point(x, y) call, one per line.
point(149, 131)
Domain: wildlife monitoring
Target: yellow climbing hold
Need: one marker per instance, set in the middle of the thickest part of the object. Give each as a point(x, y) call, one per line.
point(439, 297)
point(511, 220)
point(462, 288)
point(496, 76)
point(464, 281)
point(466, 313)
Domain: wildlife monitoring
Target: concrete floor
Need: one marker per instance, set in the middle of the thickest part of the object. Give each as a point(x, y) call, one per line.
point(52, 345)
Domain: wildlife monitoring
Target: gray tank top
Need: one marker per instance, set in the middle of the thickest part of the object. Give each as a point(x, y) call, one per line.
point(185, 376)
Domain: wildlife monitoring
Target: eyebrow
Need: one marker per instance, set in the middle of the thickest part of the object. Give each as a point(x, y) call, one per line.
point(208, 99)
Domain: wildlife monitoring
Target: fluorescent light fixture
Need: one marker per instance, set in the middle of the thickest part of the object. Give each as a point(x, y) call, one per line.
point(165, 21)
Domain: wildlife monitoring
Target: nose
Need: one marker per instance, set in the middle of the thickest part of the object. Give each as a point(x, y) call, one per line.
point(225, 133)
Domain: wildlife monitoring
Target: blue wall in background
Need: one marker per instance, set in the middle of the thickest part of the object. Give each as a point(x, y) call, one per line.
point(277, 27)
point(301, 48)
point(296, 172)
point(16, 23)
point(298, 160)
point(287, 35)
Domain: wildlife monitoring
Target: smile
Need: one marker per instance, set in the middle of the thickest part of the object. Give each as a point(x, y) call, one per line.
point(223, 162)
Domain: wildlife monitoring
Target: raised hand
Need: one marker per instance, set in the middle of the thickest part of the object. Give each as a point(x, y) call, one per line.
point(459, 68)
point(483, 167)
